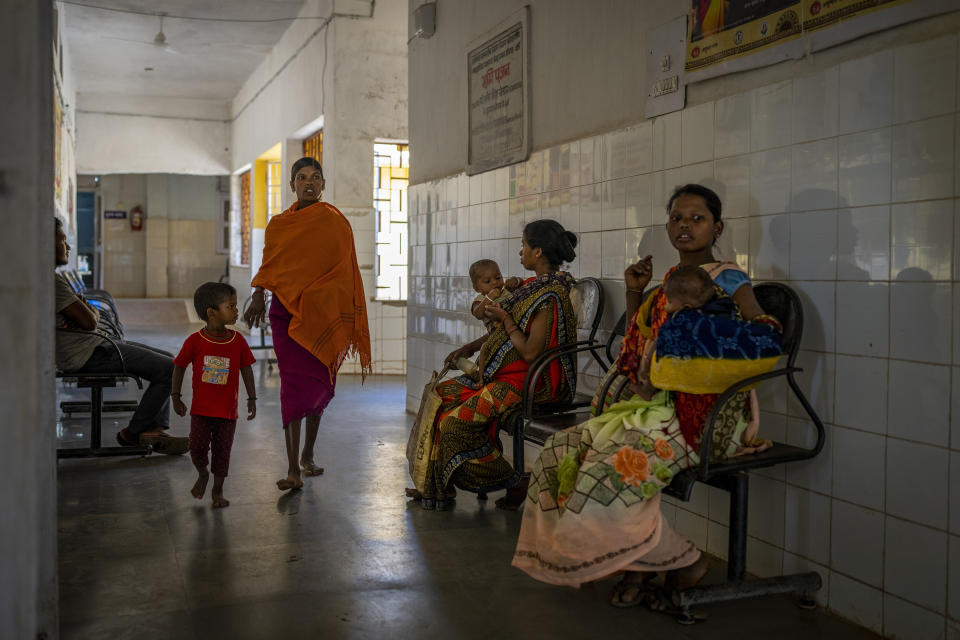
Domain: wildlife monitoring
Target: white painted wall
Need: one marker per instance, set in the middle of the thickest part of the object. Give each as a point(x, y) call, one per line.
point(28, 465)
point(840, 175)
point(287, 90)
point(65, 205)
point(175, 251)
point(138, 134)
point(586, 62)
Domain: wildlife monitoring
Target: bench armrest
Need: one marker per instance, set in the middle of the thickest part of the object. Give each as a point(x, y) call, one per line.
point(123, 367)
point(706, 437)
point(540, 364)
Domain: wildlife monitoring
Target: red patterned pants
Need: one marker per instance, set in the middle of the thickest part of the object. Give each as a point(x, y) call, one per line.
point(214, 435)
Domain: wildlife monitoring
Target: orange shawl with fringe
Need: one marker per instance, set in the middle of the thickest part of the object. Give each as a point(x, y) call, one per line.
point(310, 264)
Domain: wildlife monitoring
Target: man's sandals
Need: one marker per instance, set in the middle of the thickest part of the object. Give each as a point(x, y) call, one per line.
point(158, 442)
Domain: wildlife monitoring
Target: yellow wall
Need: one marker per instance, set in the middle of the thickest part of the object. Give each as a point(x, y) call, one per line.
point(259, 194)
point(259, 186)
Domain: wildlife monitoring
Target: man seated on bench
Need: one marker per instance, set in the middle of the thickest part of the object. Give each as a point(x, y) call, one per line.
point(82, 349)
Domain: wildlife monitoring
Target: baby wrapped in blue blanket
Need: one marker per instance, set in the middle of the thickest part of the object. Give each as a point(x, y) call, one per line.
point(703, 347)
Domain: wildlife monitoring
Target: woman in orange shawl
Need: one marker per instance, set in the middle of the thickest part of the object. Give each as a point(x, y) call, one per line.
point(318, 315)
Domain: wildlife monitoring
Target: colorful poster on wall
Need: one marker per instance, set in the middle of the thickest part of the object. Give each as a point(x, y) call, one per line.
point(57, 146)
point(824, 13)
point(727, 36)
point(721, 30)
point(498, 102)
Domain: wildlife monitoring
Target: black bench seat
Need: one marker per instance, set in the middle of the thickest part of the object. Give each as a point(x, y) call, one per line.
point(536, 424)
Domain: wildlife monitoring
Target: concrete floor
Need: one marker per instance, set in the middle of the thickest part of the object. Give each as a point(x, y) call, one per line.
point(347, 557)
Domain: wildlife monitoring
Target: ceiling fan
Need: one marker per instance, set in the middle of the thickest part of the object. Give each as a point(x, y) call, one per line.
point(159, 40)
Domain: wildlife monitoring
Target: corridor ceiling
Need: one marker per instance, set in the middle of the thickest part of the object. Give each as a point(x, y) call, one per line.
point(208, 59)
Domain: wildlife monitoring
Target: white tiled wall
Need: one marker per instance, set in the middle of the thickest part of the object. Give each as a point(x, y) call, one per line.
point(843, 183)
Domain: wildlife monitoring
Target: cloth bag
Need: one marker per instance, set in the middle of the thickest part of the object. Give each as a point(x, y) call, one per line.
point(420, 441)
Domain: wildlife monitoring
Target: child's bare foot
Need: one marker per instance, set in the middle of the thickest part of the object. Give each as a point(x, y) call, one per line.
point(219, 501)
point(292, 481)
point(200, 486)
point(309, 468)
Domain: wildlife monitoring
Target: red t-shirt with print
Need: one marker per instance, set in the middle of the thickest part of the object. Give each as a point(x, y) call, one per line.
point(216, 361)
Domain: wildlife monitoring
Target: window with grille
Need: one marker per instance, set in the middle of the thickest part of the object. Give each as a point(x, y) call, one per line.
point(274, 189)
point(391, 173)
point(313, 146)
point(223, 224)
point(241, 226)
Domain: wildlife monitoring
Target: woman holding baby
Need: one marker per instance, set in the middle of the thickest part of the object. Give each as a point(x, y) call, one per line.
point(535, 317)
point(593, 505)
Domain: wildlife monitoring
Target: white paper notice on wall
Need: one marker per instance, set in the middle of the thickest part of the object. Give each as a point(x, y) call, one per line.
point(666, 47)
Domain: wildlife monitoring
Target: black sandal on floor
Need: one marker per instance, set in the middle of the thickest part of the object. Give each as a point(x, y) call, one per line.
point(641, 586)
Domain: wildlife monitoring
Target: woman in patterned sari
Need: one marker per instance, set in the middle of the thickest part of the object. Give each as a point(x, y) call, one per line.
point(537, 317)
point(593, 506)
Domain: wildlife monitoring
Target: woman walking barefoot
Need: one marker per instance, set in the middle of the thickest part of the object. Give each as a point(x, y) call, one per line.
point(318, 315)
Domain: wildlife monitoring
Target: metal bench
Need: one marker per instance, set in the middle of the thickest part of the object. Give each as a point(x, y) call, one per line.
point(264, 327)
point(97, 382)
point(780, 301)
point(731, 475)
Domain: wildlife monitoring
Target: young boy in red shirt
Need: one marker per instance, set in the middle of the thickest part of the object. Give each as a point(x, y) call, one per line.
point(220, 357)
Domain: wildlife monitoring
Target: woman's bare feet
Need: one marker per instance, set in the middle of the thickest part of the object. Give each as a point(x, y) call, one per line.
point(309, 468)
point(200, 486)
point(292, 481)
point(680, 579)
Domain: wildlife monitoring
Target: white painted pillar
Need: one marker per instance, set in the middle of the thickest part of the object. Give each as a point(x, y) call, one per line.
point(28, 495)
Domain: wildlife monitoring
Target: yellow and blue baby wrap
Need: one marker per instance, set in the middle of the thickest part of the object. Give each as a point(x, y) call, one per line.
point(697, 352)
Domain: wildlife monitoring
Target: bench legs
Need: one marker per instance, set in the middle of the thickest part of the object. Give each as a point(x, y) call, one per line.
point(737, 586)
point(95, 448)
point(738, 486)
point(518, 461)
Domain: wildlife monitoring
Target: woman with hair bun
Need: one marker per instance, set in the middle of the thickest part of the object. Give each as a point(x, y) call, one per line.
point(537, 317)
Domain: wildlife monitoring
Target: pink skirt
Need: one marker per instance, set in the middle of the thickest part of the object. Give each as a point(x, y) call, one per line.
point(306, 387)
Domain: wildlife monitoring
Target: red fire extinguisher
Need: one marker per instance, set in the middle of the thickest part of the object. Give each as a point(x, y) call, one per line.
point(136, 218)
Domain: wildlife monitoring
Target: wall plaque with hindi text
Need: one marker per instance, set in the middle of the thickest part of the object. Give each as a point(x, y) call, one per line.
point(498, 95)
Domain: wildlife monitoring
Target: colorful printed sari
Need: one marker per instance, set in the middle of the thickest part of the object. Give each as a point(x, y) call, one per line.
point(466, 453)
point(593, 506)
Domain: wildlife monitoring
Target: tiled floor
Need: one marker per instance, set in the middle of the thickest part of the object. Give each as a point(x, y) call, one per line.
point(347, 557)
